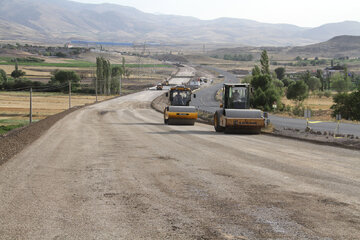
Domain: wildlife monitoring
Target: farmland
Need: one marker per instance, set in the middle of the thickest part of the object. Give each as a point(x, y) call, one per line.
point(14, 106)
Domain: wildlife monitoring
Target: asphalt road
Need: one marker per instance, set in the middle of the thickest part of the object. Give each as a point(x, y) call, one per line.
point(206, 101)
point(115, 171)
point(205, 97)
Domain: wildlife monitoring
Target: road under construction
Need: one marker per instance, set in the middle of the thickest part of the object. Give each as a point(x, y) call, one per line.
point(113, 170)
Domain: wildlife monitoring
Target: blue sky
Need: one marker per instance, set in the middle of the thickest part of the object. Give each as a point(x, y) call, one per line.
point(304, 13)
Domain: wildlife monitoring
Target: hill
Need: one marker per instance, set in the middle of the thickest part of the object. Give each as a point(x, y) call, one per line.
point(62, 20)
point(336, 47)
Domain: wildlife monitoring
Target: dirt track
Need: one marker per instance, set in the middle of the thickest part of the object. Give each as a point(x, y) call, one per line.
point(114, 171)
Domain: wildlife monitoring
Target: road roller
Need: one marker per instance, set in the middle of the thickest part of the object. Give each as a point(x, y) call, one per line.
point(179, 112)
point(235, 115)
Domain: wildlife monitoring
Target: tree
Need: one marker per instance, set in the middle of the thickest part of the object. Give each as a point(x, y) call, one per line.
point(287, 82)
point(256, 71)
point(17, 73)
point(297, 91)
point(320, 75)
point(313, 83)
point(116, 74)
point(339, 83)
point(280, 73)
point(306, 76)
point(278, 83)
point(264, 61)
point(99, 73)
point(266, 93)
point(3, 77)
point(262, 81)
point(103, 75)
point(348, 105)
point(61, 77)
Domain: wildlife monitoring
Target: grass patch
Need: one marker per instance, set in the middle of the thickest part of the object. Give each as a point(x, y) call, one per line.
point(7, 128)
point(6, 122)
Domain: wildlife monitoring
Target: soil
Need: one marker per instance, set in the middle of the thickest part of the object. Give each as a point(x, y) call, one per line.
point(16, 140)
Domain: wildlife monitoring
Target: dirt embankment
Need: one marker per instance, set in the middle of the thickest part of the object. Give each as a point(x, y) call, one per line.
point(323, 138)
point(160, 103)
point(14, 141)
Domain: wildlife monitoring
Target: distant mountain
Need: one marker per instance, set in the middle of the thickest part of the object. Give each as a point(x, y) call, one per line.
point(331, 30)
point(338, 46)
point(62, 20)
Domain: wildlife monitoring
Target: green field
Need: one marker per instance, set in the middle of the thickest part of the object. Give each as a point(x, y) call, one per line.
point(7, 125)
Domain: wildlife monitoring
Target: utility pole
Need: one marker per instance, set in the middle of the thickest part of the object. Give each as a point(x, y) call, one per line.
point(96, 99)
point(30, 114)
point(69, 94)
point(120, 85)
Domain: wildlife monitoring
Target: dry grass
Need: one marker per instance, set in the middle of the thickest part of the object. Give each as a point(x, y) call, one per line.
point(313, 102)
point(15, 105)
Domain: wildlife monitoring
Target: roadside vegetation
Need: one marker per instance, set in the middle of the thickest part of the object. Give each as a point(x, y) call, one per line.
point(330, 91)
point(49, 75)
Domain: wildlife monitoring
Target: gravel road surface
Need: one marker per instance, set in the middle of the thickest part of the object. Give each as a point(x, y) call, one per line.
point(205, 101)
point(114, 171)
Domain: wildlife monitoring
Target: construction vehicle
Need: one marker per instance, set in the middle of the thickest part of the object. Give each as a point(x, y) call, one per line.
point(236, 115)
point(179, 112)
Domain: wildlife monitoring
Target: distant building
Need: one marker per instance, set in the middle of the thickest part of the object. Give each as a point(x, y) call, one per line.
point(68, 45)
point(329, 71)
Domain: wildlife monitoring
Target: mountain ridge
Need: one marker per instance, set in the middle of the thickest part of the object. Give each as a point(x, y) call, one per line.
point(63, 20)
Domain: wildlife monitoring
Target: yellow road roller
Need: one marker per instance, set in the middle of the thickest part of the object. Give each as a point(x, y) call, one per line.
point(236, 115)
point(179, 112)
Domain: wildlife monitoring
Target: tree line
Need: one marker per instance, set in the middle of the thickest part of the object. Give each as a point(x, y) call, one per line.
point(269, 87)
point(107, 80)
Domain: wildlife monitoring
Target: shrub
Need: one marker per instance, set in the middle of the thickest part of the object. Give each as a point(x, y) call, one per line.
point(297, 91)
point(348, 105)
point(298, 110)
point(327, 94)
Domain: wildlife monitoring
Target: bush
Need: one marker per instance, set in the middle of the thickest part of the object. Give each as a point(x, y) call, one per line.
point(28, 59)
point(18, 73)
point(327, 94)
point(348, 105)
point(60, 54)
point(320, 94)
point(298, 110)
point(22, 84)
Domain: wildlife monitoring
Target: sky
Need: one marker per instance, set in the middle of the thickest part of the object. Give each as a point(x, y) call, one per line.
point(303, 13)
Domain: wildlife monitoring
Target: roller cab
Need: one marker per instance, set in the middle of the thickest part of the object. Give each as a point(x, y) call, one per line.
point(236, 115)
point(179, 112)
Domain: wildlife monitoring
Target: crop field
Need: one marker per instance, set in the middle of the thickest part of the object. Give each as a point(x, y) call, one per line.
point(14, 106)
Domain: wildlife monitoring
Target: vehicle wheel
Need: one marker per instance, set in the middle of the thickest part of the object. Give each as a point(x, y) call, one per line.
point(217, 126)
point(165, 120)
